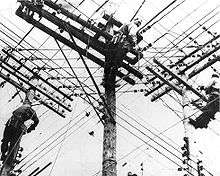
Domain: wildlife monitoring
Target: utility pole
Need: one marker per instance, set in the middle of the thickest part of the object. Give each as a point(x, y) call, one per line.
point(113, 60)
point(187, 130)
point(110, 136)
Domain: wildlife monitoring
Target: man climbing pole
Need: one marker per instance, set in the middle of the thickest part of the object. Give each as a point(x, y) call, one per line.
point(15, 128)
point(125, 40)
point(209, 111)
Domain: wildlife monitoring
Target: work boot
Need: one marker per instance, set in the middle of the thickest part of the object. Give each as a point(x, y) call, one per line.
point(192, 122)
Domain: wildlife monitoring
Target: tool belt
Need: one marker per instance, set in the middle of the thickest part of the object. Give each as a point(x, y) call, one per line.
point(127, 42)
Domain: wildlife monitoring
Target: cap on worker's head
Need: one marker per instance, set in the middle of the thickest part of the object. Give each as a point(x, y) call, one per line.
point(214, 75)
point(26, 102)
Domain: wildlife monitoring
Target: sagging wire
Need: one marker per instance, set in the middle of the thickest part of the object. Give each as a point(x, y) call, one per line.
point(166, 130)
point(29, 59)
point(170, 4)
point(182, 20)
point(159, 132)
point(87, 95)
point(48, 37)
point(61, 145)
point(179, 23)
point(88, 87)
point(161, 153)
point(189, 28)
point(144, 30)
point(53, 146)
point(54, 134)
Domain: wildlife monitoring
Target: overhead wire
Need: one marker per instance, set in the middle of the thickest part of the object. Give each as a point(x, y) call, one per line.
point(60, 148)
point(53, 135)
point(43, 155)
point(139, 8)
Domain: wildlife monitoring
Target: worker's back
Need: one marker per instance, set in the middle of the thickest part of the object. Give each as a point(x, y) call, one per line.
point(20, 115)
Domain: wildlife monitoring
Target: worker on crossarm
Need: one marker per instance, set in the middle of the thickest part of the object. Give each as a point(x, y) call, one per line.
point(209, 111)
point(15, 127)
point(128, 35)
point(125, 40)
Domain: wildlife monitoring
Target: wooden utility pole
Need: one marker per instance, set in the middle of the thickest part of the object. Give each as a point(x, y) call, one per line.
point(187, 127)
point(113, 60)
point(109, 135)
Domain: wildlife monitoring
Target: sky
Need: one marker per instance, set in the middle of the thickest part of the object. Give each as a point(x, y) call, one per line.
point(79, 153)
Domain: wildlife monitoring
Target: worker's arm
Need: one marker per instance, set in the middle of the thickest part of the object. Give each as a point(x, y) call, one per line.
point(209, 88)
point(123, 30)
point(36, 121)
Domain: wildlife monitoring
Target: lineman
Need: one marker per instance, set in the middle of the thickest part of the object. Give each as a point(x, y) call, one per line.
point(125, 40)
point(209, 111)
point(128, 35)
point(15, 128)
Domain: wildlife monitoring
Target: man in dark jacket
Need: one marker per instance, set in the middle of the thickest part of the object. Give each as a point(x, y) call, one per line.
point(212, 107)
point(15, 128)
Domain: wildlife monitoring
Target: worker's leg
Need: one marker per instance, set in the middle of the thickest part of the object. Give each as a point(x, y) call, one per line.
point(202, 120)
point(15, 140)
point(5, 141)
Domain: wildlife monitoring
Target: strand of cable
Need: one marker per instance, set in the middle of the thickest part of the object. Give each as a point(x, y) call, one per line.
point(60, 148)
point(190, 32)
point(54, 134)
point(40, 157)
point(157, 21)
point(184, 31)
point(182, 34)
point(30, 60)
point(166, 105)
point(161, 153)
point(151, 138)
point(51, 59)
point(137, 11)
point(90, 89)
point(53, 147)
point(56, 139)
point(187, 36)
point(87, 95)
point(159, 133)
point(177, 23)
point(180, 21)
point(149, 62)
point(187, 117)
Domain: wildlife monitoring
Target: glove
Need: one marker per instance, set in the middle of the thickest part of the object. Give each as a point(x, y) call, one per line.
point(29, 130)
